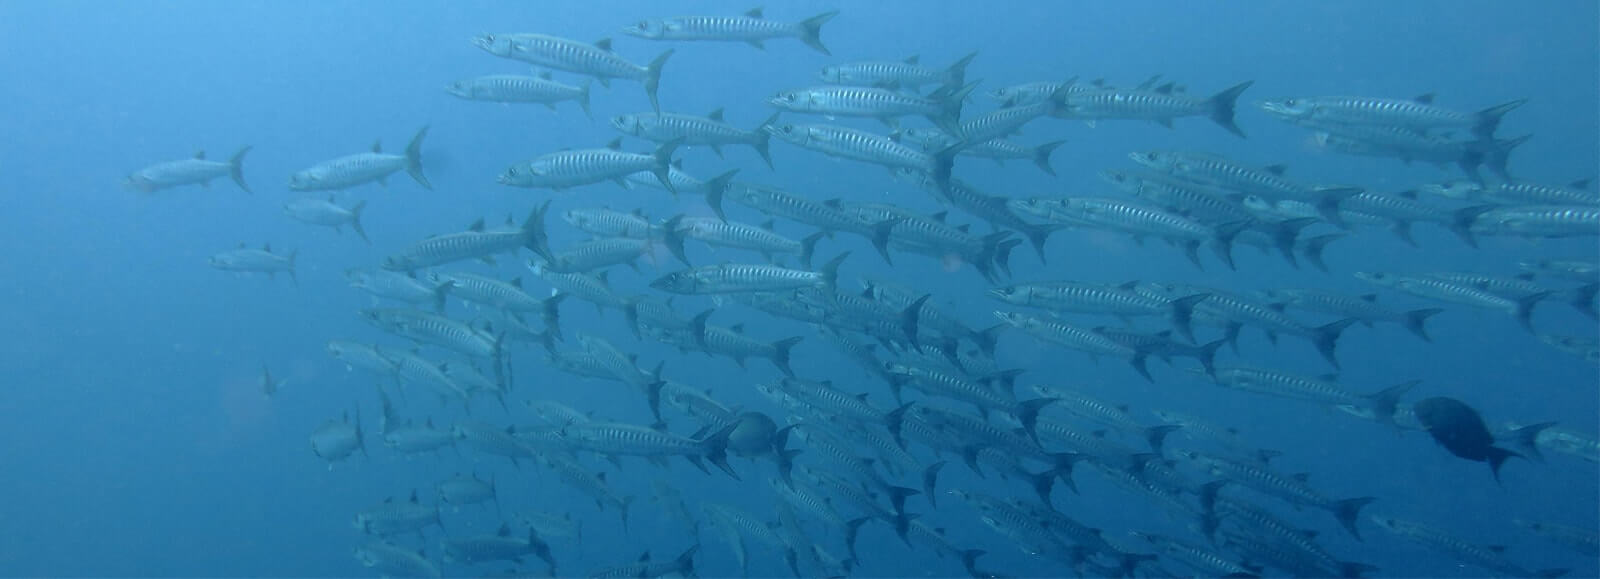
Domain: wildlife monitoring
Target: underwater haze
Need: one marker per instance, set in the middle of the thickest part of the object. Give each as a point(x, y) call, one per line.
point(174, 409)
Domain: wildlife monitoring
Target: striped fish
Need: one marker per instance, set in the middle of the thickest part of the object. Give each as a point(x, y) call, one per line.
point(596, 60)
point(351, 170)
point(751, 28)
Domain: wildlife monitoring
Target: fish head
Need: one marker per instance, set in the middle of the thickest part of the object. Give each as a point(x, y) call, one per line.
point(1159, 160)
point(627, 124)
point(1289, 108)
point(521, 175)
point(1006, 294)
point(832, 74)
point(791, 100)
point(305, 180)
point(496, 44)
point(1122, 179)
point(1257, 203)
point(677, 282)
point(796, 134)
point(460, 88)
point(1380, 278)
point(138, 182)
point(1455, 189)
point(652, 29)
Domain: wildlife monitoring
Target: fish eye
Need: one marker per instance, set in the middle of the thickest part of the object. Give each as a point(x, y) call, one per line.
point(489, 38)
point(1290, 102)
point(512, 171)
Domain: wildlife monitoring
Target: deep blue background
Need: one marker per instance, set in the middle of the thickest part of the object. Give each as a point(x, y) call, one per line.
point(138, 444)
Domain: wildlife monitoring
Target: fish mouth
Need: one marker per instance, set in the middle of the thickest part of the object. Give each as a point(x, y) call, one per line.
point(996, 293)
point(1276, 108)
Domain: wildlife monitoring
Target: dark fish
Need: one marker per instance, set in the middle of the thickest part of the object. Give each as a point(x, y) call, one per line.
point(1460, 430)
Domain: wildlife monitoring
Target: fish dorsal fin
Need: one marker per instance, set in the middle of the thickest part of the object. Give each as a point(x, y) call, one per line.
point(414, 500)
point(1496, 548)
point(644, 557)
point(476, 225)
point(600, 476)
point(1330, 377)
point(545, 75)
point(1165, 89)
point(429, 423)
point(1099, 82)
point(637, 212)
point(677, 164)
point(1161, 334)
point(1277, 169)
point(940, 216)
point(964, 228)
point(1425, 98)
point(913, 59)
point(1310, 533)
point(1368, 297)
point(769, 225)
point(737, 328)
point(200, 154)
point(1278, 307)
point(1129, 285)
point(516, 281)
point(828, 383)
point(862, 397)
point(754, 12)
point(505, 530)
point(1099, 433)
point(603, 44)
point(377, 146)
point(615, 144)
point(388, 500)
point(330, 198)
point(1581, 183)
point(1301, 476)
point(241, 245)
point(715, 115)
point(267, 247)
point(604, 277)
point(1123, 408)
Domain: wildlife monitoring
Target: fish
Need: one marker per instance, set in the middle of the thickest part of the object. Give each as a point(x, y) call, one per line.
point(859, 145)
point(393, 561)
point(1161, 104)
point(512, 88)
point(196, 170)
point(683, 565)
point(461, 490)
point(721, 233)
point(336, 440)
point(738, 278)
point(328, 214)
point(710, 130)
point(562, 170)
point(247, 260)
point(474, 243)
point(500, 546)
point(1461, 431)
point(1000, 150)
point(1439, 540)
point(595, 60)
point(942, 107)
point(361, 168)
point(1418, 113)
point(750, 28)
point(906, 74)
point(393, 517)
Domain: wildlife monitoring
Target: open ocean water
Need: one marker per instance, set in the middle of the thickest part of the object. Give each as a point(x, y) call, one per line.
point(141, 442)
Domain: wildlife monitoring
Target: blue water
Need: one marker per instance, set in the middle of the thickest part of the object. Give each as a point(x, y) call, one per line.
point(138, 443)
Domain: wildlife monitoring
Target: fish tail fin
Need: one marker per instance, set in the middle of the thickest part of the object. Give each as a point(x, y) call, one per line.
point(583, 97)
point(652, 79)
point(716, 449)
point(1183, 314)
point(910, 319)
point(1286, 233)
point(1222, 107)
point(1041, 156)
point(1415, 318)
point(1526, 438)
point(550, 314)
point(988, 337)
point(672, 235)
point(236, 168)
point(715, 189)
point(1207, 356)
point(1314, 246)
point(1383, 402)
point(930, 483)
point(951, 98)
point(293, 253)
point(1222, 241)
point(1139, 363)
point(1027, 414)
point(808, 248)
point(355, 220)
point(414, 159)
point(1523, 310)
point(1487, 120)
point(780, 354)
point(969, 561)
point(663, 168)
point(880, 237)
point(1582, 298)
point(763, 142)
point(852, 529)
point(1462, 221)
point(1558, 572)
point(533, 233)
point(1499, 155)
point(1348, 511)
point(957, 71)
point(1326, 337)
point(1156, 436)
point(811, 31)
point(830, 270)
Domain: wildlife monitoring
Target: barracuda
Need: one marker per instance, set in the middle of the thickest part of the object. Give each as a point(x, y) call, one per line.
point(908, 73)
point(632, 440)
point(1161, 104)
point(722, 233)
point(1465, 294)
point(1418, 113)
point(474, 243)
point(776, 202)
point(561, 170)
point(930, 140)
point(739, 278)
point(1290, 488)
point(511, 88)
point(375, 166)
point(942, 107)
point(1138, 221)
point(193, 171)
point(751, 28)
point(1443, 542)
point(596, 60)
point(857, 145)
point(709, 130)
point(1363, 307)
point(1076, 338)
point(1266, 182)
